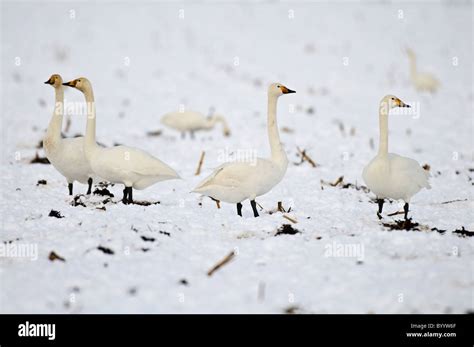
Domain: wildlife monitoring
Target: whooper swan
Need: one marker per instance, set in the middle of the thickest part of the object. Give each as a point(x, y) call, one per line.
point(238, 181)
point(120, 164)
point(389, 175)
point(65, 154)
point(193, 121)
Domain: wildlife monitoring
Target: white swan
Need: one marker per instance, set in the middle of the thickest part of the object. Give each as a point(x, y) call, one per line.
point(193, 121)
point(120, 164)
point(423, 81)
point(65, 154)
point(389, 175)
point(236, 182)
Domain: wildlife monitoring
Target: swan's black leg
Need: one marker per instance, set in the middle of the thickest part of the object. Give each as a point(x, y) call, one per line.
point(239, 209)
point(70, 188)
point(254, 208)
point(130, 195)
point(192, 134)
point(379, 213)
point(125, 194)
point(405, 208)
point(89, 190)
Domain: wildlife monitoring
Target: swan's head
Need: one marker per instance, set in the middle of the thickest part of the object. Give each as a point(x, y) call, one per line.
point(391, 101)
point(80, 83)
point(277, 89)
point(55, 80)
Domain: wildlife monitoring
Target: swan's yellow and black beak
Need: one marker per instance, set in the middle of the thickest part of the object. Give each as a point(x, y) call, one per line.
point(400, 103)
point(50, 81)
point(285, 90)
point(70, 83)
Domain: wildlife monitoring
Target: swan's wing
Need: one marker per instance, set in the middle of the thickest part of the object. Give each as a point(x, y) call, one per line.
point(228, 175)
point(411, 168)
point(133, 160)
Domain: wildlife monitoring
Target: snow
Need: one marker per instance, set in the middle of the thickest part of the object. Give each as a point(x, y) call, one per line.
point(144, 61)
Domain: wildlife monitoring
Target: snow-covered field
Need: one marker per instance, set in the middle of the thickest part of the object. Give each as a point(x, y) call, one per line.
point(146, 59)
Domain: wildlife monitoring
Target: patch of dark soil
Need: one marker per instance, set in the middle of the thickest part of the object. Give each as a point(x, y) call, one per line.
point(286, 229)
point(463, 232)
point(147, 239)
point(77, 201)
point(41, 182)
point(154, 133)
point(146, 203)
point(105, 250)
point(103, 192)
point(165, 233)
point(39, 160)
point(403, 225)
point(56, 214)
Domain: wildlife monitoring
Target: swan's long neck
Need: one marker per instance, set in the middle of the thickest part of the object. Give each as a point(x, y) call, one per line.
point(89, 142)
point(55, 125)
point(383, 128)
point(218, 119)
point(278, 153)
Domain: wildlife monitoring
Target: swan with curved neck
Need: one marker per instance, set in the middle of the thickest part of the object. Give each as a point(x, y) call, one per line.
point(422, 81)
point(193, 121)
point(235, 182)
point(389, 175)
point(65, 154)
point(120, 164)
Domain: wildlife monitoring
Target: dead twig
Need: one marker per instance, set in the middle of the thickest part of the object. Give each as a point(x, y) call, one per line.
point(280, 207)
point(224, 261)
point(305, 157)
point(339, 180)
point(290, 218)
point(201, 159)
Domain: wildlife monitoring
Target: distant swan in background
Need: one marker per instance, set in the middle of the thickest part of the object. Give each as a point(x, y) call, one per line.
point(238, 181)
point(389, 175)
point(120, 164)
point(193, 121)
point(65, 154)
point(423, 81)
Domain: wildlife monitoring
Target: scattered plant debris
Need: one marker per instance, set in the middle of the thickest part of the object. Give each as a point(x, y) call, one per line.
point(305, 157)
point(78, 201)
point(292, 310)
point(147, 239)
point(426, 167)
point(451, 201)
point(165, 233)
point(405, 224)
point(340, 183)
point(463, 232)
point(286, 229)
point(201, 160)
point(183, 282)
point(154, 133)
point(145, 203)
point(105, 250)
point(221, 263)
point(54, 256)
point(56, 214)
point(41, 182)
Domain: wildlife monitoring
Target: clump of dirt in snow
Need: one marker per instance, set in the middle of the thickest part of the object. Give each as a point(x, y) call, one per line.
point(105, 250)
point(78, 201)
point(56, 214)
point(406, 224)
point(463, 232)
point(39, 160)
point(344, 185)
point(54, 256)
point(286, 229)
point(103, 192)
point(41, 182)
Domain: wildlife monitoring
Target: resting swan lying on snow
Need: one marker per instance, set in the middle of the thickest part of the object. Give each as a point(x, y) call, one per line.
point(236, 182)
point(389, 175)
point(193, 121)
point(120, 164)
point(66, 155)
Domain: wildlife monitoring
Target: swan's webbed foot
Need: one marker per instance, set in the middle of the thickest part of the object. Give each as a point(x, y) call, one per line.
point(89, 190)
point(239, 209)
point(405, 208)
point(70, 188)
point(380, 203)
point(254, 208)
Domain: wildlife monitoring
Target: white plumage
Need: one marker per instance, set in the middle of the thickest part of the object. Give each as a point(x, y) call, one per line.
point(120, 164)
point(194, 121)
point(65, 154)
point(238, 181)
point(390, 175)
